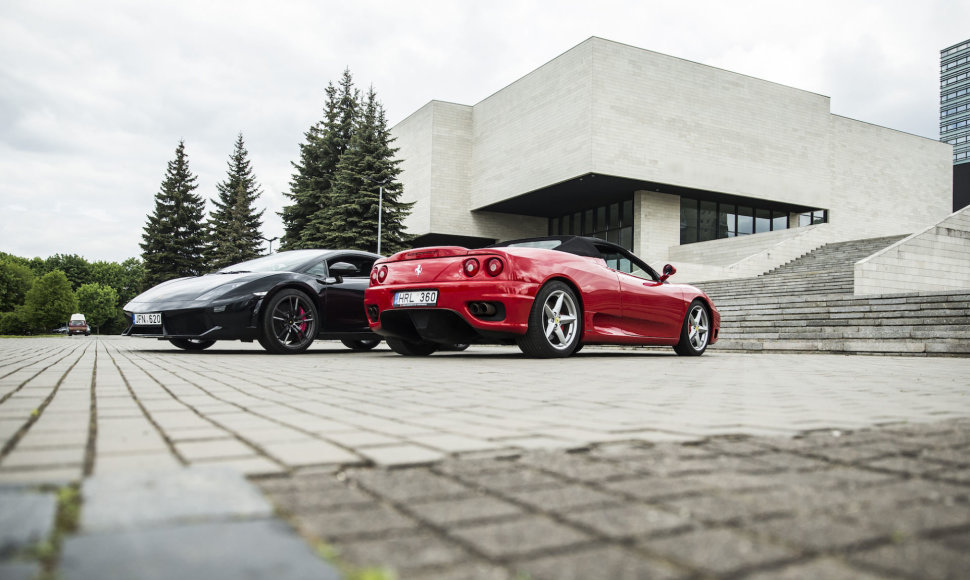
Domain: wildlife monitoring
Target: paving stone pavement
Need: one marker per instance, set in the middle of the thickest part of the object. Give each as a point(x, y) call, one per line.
point(630, 463)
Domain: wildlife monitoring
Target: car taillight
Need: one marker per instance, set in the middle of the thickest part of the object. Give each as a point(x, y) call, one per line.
point(382, 274)
point(494, 266)
point(470, 267)
point(373, 276)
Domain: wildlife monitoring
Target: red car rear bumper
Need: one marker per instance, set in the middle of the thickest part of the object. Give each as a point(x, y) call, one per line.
point(451, 319)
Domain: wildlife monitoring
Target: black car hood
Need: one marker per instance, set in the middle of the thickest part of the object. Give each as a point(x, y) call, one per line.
point(188, 289)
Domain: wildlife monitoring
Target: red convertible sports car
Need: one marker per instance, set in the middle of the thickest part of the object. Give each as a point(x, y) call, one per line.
point(549, 295)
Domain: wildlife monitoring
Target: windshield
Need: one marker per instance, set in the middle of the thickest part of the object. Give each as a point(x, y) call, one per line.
point(290, 261)
point(544, 244)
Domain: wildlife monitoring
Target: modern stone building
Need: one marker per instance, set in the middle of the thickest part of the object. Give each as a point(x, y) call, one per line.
point(720, 173)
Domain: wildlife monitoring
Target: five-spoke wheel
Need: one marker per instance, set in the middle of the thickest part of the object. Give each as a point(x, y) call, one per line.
point(695, 334)
point(289, 322)
point(555, 323)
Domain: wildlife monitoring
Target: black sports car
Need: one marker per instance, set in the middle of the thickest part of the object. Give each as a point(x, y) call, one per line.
point(284, 300)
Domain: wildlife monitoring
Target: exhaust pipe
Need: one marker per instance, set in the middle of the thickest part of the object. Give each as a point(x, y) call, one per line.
point(482, 309)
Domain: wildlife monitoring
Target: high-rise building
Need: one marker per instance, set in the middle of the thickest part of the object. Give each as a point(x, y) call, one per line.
point(955, 115)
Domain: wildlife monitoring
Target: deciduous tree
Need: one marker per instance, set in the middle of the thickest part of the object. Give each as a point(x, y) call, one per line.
point(98, 303)
point(50, 301)
point(15, 280)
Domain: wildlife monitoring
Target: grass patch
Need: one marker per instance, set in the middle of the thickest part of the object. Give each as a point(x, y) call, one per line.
point(332, 555)
point(66, 522)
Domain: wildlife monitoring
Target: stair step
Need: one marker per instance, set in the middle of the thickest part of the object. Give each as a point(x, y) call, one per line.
point(807, 305)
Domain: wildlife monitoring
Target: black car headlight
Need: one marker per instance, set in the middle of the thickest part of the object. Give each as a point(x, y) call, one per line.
point(219, 291)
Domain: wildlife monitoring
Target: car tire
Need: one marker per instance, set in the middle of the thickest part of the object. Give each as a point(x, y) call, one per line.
point(408, 348)
point(361, 344)
point(695, 333)
point(555, 323)
point(289, 323)
point(191, 343)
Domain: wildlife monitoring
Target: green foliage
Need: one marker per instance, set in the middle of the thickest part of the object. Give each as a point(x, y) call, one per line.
point(66, 521)
point(76, 268)
point(98, 303)
point(68, 510)
point(312, 184)
point(126, 277)
point(15, 280)
point(336, 189)
point(16, 321)
point(50, 301)
point(234, 223)
point(349, 572)
point(351, 219)
point(174, 237)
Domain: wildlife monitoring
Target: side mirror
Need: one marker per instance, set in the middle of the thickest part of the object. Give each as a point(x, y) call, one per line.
point(669, 271)
point(341, 269)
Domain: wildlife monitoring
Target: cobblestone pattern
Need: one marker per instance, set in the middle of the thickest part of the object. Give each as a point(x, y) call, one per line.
point(885, 503)
point(458, 464)
point(83, 406)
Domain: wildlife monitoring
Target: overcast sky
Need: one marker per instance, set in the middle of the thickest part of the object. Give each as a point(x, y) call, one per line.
point(95, 95)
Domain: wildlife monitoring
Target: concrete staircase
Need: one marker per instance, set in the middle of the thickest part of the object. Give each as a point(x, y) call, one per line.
point(807, 305)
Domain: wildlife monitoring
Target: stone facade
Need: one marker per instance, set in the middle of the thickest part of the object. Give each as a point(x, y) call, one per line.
point(668, 125)
point(935, 259)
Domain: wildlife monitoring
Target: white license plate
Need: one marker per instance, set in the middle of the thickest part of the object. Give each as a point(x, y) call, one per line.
point(416, 298)
point(151, 319)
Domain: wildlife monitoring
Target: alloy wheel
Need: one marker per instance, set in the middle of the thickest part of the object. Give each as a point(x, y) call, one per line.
point(559, 315)
point(698, 328)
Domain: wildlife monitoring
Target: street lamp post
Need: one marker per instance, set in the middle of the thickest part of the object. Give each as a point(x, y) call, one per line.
point(270, 240)
point(380, 206)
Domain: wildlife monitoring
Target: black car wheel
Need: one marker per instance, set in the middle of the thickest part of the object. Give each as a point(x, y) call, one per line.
point(555, 323)
point(289, 323)
point(408, 348)
point(696, 331)
point(191, 344)
point(361, 344)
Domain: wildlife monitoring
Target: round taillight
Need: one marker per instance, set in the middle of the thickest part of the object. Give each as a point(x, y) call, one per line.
point(373, 276)
point(382, 274)
point(470, 267)
point(494, 266)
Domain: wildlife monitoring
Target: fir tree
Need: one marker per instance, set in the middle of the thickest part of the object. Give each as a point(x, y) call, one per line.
point(311, 186)
point(174, 237)
point(368, 164)
point(234, 224)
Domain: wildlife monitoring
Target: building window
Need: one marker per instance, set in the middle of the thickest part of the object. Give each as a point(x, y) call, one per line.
point(708, 221)
point(701, 221)
point(613, 223)
point(810, 218)
point(688, 221)
point(745, 221)
point(727, 220)
point(779, 220)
